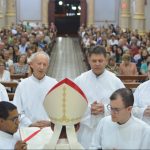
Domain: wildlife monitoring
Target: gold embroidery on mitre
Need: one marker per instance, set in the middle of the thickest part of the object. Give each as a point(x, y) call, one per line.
point(64, 118)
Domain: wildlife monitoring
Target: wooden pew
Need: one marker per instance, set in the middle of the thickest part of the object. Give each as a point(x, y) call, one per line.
point(18, 76)
point(131, 85)
point(132, 81)
point(134, 77)
point(11, 96)
point(12, 86)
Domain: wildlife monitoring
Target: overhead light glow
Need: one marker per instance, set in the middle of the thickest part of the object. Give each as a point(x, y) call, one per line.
point(60, 3)
point(74, 7)
point(79, 7)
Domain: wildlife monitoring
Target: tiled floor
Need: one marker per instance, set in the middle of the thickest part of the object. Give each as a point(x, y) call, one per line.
point(66, 59)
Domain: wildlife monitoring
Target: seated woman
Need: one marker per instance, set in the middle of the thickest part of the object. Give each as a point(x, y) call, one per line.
point(21, 67)
point(112, 66)
point(4, 74)
point(127, 67)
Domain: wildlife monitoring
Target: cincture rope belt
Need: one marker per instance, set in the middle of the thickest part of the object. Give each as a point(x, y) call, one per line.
point(32, 135)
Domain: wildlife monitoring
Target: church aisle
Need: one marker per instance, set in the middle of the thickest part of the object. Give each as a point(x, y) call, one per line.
point(66, 59)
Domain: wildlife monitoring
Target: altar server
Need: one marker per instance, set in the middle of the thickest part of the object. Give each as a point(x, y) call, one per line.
point(97, 84)
point(30, 93)
point(121, 130)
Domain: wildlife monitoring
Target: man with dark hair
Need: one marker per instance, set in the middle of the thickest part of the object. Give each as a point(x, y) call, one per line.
point(97, 84)
point(121, 130)
point(9, 121)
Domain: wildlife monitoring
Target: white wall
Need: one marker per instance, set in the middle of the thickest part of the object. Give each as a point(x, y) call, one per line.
point(106, 10)
point(29, 10)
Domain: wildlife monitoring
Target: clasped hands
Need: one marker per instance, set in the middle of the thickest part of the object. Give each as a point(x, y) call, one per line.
point(97, 108)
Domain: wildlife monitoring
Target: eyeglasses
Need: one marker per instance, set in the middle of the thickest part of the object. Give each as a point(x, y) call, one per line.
point(15, 119)
point(114, 110)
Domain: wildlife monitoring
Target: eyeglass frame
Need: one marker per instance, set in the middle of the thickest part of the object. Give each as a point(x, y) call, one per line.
point(115, 110)
point(15, 119)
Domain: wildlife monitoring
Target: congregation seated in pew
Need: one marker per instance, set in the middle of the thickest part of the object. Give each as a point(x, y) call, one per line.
point(21, 67)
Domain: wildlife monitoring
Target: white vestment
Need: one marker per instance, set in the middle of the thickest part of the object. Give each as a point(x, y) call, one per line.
point(3, 93)
point(134, 134)
point(142, 100)
point(96, 89)
point(7, 141)
point(63, 144)
point(29, 98)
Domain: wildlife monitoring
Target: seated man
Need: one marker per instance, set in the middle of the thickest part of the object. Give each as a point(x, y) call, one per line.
point(121, 130)
point(8, 126)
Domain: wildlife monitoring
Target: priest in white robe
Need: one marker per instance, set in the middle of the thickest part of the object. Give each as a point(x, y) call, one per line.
point(3, 93)
point(30, 93)
point(97, 84)
point(8, 126)
point(121, 130)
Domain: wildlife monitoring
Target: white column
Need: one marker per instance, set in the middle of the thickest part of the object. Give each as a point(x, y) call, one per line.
point(90, 19)
point(2, 19)
point(125, 17)
point(10, 12)
point(138, 16)
point(45, 12)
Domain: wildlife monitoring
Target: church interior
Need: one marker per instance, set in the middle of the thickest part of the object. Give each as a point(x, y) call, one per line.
point(68, 31)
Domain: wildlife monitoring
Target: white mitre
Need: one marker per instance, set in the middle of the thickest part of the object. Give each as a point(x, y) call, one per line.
point(65, 105)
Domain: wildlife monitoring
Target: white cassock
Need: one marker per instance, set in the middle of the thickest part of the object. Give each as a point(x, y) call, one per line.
point(3, 93)
point(134, 134)
point(96, 89)
point(142, 100)
point(63, 144)
point(29, 98)
point(7, 141)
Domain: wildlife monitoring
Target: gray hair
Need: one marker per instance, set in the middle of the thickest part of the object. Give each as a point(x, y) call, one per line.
point(34, 55)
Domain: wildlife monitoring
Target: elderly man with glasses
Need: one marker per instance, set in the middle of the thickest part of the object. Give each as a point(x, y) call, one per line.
point(9, 122)
point(121, 130)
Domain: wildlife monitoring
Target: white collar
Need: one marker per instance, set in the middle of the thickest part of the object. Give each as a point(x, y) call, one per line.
point(6, 135)
point(125, 124)
point(37, 80)
point(97, 77)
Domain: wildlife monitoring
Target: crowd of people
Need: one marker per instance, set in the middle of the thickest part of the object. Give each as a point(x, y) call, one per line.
point(19, 42)
point(115, 118)
point(120, 44)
